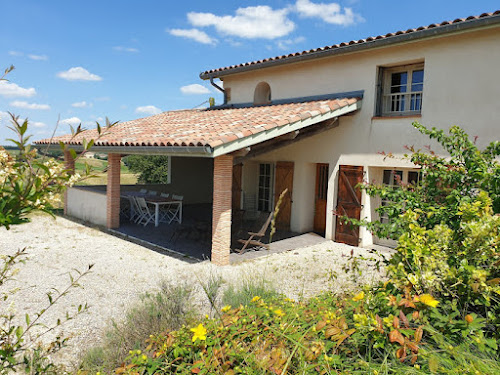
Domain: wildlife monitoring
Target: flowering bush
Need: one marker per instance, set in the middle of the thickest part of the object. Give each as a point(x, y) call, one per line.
point(324, 335)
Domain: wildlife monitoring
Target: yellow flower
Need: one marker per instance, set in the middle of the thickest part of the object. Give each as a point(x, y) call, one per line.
point(144, 357)
point(428, 300)
point(226, 308)
point(199, 332)
point(359, 297)
point(255, 299)
point(279, 312)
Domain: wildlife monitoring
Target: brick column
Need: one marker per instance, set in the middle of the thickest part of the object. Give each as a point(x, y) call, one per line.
point(69, 163)
point(221, 211)
point(113, 192)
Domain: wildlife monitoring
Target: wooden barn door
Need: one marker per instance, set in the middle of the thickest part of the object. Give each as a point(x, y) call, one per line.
point(320, 198)
point(348, 204)
point(284, 180)
point(236, 196)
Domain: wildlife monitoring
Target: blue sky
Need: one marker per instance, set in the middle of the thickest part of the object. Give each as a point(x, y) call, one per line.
point(81, 61)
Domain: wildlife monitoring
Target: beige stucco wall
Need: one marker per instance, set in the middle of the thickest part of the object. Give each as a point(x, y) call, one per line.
point(87, 205)
point(461, 86)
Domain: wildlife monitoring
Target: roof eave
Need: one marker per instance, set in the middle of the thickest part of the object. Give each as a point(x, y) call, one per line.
point(282, 130)
point(377, 43)
point(193, 151)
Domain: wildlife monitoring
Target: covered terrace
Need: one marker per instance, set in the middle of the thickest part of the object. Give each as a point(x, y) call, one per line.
point(204, 146)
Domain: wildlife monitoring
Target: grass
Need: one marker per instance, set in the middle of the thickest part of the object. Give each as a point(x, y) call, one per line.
point(98, 166)
point(166, 310)
point(248, 288)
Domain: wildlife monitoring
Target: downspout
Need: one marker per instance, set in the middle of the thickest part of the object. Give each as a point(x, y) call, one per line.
point(219, 88)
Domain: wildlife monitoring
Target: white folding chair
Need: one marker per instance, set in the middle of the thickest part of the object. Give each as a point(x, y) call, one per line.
point(164, 217)
point(143, 191)
point(135, 211)
point(175, 209)
point(146, 215)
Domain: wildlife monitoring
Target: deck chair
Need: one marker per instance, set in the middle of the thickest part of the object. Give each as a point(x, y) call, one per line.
point(146, 216)
point(255, 238)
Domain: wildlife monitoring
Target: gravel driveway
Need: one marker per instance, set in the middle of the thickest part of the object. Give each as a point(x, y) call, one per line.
point(123, 271)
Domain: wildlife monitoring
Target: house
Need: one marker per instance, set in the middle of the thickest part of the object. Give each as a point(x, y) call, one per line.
point(315, 122)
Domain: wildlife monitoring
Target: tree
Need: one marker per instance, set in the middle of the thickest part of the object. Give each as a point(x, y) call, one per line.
point(152, 169)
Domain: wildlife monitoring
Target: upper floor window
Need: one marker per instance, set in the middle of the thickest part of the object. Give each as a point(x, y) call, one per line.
point(401, 90)
point(262, 94)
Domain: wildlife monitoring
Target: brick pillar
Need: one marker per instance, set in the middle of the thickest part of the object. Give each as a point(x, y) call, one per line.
point(221, 211)
point(69, 163)
point(113, 192)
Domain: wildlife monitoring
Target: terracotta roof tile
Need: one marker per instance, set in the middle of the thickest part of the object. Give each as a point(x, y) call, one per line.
point(345, 44)
point(208, 127)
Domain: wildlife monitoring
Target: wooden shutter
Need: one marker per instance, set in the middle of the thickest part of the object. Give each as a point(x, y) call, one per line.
point(348, 204)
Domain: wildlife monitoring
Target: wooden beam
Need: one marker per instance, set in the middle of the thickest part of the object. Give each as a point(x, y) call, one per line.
point(288, 139)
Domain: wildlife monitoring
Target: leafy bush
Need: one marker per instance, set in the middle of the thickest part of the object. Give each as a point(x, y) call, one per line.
point(460, 268)
point(163, 311)
point(446, 182)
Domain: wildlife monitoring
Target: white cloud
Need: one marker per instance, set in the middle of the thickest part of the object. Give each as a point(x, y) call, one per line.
point(287, 43)
point(38, 57)
point(78, 74)
point(26, 105)
point(9, 89)
point(37, 124)
point(74, 121)
point(102, 99)
point(329, 13)
point(148, 109)
point(125, 49)
point(82, 104)
point(194, 34)
point(251, 22)
point(194, 89)
point(15, 53)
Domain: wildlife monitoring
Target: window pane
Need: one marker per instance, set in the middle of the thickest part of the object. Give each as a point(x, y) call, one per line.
point(387, 177)
point(417, 80)
point(397, 177)
point(399, 82)
point(414, 177)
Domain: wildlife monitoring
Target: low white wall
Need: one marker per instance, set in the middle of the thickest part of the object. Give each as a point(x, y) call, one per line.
point(87, 205)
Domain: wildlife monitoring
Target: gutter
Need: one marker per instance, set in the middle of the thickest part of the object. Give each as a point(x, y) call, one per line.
point(220, 89)
point(439, 31)
point(194, 151)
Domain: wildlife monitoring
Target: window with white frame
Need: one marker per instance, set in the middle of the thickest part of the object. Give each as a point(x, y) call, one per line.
point(394, 179)
point(401, 90)
point(264, 202)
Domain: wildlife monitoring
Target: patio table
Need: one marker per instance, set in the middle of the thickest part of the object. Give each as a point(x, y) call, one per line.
point(157, 202)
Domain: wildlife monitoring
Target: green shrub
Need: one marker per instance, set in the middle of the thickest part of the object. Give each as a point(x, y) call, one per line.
point(163, 311)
